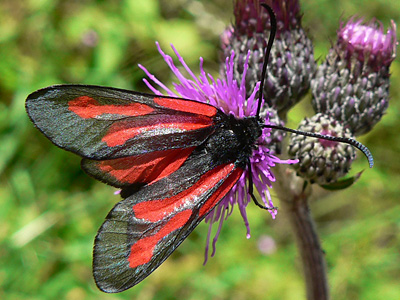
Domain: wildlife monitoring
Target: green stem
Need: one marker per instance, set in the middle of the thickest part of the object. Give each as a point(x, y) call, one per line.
point(294, 203)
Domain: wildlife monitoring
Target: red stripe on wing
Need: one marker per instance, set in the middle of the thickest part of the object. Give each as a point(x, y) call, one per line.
point(147, 168)
point(142, 251)
point(122, 131)
point(220, 192)
point(156, 210)
point(187, 106)
point(87, 107)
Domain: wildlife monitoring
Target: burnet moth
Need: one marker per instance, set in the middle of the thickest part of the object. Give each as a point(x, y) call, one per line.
point(173, 159)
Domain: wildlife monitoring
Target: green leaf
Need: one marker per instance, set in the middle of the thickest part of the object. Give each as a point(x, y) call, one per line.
point(343, 183)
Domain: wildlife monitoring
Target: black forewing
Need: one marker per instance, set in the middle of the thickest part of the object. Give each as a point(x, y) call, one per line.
point(49, 110)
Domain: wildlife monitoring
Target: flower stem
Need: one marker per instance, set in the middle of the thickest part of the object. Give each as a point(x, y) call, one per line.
point(294, 203)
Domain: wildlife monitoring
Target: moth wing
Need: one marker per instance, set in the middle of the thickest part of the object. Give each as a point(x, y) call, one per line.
point(137, 170)
point(104, 123)
point(141, 231)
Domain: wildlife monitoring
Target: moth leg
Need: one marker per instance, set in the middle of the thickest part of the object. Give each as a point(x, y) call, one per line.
point(251, 190)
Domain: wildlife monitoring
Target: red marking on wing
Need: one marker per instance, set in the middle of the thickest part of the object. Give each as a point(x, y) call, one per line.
point(146, 168)
point(156, 210)
point(220, 192)
point(120, 132)
point(87, 107)
point(187, 106)
point(143, 250)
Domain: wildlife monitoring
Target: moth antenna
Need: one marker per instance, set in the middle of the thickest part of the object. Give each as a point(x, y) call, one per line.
point(345, 140)
point(266, 56)
point(263, 75)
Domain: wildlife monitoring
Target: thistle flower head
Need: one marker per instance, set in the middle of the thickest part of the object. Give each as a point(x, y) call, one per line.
point(251, 18)
point(291, 63)
point(321, 161)
point(353, 83)
point(230, 96)
point(367, 43)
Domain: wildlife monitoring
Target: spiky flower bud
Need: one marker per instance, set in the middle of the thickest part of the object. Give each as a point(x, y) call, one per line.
point(291, 64)
point(353, 83)
point(321, 161)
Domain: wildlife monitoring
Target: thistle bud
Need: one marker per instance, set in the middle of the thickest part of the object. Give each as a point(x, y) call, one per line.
point(321, 161)
point(291, 64)
point(352, 84)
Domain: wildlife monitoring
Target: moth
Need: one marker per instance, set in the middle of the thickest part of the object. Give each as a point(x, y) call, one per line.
point(173, 159)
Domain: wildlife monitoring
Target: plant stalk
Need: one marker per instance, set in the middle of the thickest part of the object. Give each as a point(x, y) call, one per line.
point(294, 203)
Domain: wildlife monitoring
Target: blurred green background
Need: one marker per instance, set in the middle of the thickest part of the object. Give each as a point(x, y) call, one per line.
point(50, 210)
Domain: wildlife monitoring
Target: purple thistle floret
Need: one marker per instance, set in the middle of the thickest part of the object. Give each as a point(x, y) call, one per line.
point(230, 97)
point(368, 42)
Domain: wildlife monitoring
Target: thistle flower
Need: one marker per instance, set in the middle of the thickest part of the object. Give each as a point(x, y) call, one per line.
point(321, 161)
point(292, 62)
point(229, 96)
point(352, 84)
